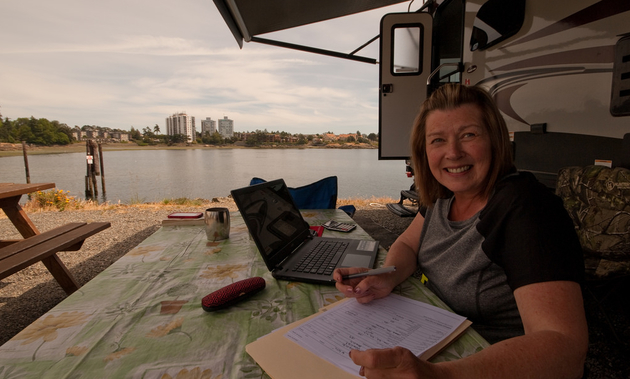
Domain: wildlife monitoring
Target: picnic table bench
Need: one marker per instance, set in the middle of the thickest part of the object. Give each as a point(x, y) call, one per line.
point(44, 246)
point(16, 255)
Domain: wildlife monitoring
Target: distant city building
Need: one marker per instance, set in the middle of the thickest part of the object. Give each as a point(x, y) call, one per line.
point(77, 133)
point(208, 125)
point(120, 136)
point(226, 127)
point(181, 123)
point(102, 134)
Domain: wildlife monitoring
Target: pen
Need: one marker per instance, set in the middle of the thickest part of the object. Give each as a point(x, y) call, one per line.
point(376, 271)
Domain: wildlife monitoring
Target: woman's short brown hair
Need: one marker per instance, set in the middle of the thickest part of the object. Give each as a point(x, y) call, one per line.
point(449, 97)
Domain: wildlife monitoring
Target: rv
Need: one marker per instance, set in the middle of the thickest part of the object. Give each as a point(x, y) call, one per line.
point(559, 71)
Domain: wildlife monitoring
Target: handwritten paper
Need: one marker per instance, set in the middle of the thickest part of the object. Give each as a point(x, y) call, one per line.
point(383, 323)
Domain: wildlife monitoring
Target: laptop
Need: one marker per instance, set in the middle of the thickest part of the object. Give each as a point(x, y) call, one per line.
point(286, 242)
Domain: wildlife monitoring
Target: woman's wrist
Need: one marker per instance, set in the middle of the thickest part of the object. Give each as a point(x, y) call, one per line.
point(394, 278)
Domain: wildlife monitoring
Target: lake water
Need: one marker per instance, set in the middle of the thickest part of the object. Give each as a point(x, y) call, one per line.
point(154, 175)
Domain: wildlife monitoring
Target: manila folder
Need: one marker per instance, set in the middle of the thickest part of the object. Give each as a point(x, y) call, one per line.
point(282, 358)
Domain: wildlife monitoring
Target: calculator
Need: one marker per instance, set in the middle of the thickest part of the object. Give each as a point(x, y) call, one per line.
point(339, 226)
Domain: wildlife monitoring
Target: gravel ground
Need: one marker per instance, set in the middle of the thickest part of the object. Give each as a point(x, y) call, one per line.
point(30, 293)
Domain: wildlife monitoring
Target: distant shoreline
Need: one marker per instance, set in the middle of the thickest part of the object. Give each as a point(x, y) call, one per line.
point(8, 149)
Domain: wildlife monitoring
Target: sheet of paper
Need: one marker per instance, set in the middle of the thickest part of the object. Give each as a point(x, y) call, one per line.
point(383, 323)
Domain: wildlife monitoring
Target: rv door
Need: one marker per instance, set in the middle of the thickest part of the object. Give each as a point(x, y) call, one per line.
point(405, 65)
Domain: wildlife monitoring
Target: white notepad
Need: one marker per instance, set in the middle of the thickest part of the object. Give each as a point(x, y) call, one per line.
point(315, 357)
point(383, 323)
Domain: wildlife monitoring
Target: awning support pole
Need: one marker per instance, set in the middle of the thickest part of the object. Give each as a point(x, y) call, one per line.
point(315, 50)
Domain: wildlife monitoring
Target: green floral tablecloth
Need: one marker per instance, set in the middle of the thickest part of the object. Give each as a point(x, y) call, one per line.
point(142, 317)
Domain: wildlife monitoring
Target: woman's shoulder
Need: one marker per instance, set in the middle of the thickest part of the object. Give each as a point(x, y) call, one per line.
point(522, 184)
point(522, 189)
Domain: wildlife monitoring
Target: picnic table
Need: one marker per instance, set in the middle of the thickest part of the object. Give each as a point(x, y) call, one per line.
point(142, 316)
point(18, 254)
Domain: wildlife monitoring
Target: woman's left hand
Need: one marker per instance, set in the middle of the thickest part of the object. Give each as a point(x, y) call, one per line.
point(392, 364)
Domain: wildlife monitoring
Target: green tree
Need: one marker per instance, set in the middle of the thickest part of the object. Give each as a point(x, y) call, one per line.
point(257, 138)
point(147, 132)
point(147, 136)
point(156, 129)
point(212, 139)
point(63, 128)
point(134, 134)
point(177, 138)
point(6, 131)
point(372, 137)
point(35, 131)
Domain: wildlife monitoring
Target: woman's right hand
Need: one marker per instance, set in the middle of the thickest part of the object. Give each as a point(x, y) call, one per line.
point(403, 254)
point(364, 289)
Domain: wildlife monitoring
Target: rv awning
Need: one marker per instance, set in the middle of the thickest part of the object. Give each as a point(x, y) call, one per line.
point(250, 18)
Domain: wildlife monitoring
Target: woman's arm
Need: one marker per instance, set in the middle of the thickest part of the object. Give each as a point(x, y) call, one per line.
point(555, 340)
point(554, 344)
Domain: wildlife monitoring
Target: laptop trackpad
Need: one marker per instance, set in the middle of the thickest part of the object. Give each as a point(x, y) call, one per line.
point(356, 260)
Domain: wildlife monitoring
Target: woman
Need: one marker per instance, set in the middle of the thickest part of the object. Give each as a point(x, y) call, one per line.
point(494, 244)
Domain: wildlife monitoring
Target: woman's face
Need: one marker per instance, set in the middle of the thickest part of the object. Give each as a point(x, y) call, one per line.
point(459, 150)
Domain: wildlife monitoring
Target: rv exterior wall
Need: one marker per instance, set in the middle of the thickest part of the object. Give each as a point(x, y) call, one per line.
point(557, 69)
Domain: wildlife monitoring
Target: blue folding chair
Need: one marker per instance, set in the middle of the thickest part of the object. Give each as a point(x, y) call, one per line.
point(321, 194)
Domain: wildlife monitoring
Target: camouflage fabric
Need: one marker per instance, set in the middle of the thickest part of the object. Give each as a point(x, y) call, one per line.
point(598, 200)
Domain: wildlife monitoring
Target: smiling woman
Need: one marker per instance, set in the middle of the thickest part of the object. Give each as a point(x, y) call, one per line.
point(494, 244)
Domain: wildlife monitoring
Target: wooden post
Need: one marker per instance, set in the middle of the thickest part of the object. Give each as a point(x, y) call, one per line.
point(100, 156)
point(89, 192)
point(28, 174)
point(94, 165)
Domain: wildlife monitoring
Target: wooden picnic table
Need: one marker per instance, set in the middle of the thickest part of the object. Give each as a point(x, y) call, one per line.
point(18, 254)
point(10, 194)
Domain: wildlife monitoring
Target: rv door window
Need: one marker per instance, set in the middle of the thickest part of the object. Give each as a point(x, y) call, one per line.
point(407, 50)
point(496, 21)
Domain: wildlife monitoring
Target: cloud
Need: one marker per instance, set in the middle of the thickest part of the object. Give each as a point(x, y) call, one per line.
point(121, 64)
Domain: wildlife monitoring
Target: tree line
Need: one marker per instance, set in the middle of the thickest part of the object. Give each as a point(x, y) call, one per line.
point(37, 131)
point(44, 132)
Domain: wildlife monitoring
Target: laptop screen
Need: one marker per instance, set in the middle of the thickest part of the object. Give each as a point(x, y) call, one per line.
point(272, 218)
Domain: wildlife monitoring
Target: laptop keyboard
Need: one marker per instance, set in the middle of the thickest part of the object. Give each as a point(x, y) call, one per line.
point(322, 259)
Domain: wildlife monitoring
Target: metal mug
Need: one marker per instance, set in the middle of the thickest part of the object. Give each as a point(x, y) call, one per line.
point(217, 222)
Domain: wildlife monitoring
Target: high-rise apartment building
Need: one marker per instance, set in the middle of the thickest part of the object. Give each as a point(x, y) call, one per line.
point(181, 123)
point(208, 125)
point(226, 127)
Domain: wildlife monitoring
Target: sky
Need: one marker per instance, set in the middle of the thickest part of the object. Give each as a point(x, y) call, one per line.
point(123, 64)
